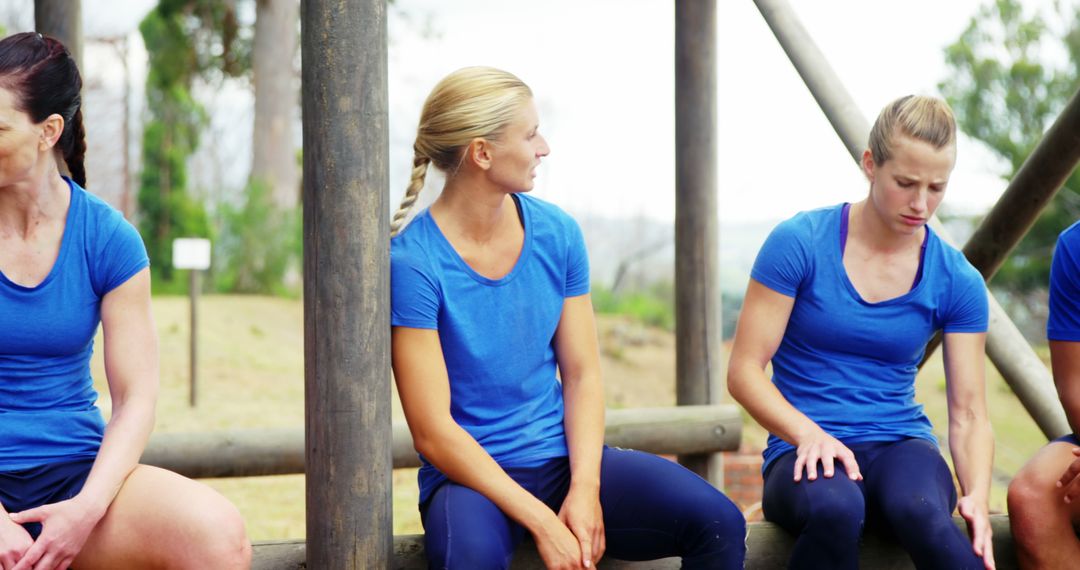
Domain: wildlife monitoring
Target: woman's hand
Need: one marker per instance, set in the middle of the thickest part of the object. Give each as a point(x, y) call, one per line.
point(65, 527)
point(976, 513)
point(558, 546)
point(582, 514)
point(14, 542)
point(820, 446)
point(1070, 479)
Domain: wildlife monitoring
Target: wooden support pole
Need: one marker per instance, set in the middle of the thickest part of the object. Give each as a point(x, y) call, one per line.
point(698, 347)
point(1011, 354)
point(61, 19)
point(346, 284)
point(193, 349)
point(248, 453)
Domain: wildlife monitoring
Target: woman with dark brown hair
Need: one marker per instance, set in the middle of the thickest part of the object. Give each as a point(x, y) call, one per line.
point(72, 492)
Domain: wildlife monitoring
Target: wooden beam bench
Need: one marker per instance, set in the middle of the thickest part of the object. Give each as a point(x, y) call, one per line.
point(768, 548)
point(674, 430)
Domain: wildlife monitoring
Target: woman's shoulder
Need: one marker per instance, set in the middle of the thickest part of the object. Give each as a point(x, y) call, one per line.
point(412, 245)
point(100, 219)
point(543, 210)
point(808, 224)
point(954, 262)
point(1070, 237)
point(96, 208)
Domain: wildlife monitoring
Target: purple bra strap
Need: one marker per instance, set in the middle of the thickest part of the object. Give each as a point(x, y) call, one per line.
point(843, 227)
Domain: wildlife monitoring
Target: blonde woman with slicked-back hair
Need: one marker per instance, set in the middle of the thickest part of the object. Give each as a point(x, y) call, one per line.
point(843, 300)
point(489, 300)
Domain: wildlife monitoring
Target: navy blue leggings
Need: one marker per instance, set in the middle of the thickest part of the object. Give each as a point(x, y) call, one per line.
point(653, 508)
point(907, 493)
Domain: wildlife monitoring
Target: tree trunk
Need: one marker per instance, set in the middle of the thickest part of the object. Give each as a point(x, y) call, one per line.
point(61, 19)
point(276, 90)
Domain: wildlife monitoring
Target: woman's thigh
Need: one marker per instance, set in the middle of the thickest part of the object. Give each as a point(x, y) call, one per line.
point(655, 508)
point(162, 520)
point(464, 529)
point(909, 475)
point(826, 503)
point(911, 495)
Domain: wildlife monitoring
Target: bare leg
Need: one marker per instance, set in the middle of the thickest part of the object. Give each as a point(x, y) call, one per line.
point(1041, 521)
point(162, 520)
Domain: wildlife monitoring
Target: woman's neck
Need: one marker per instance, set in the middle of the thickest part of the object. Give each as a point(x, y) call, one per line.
point(869, 229)
point(472, 209)
point(28, 204)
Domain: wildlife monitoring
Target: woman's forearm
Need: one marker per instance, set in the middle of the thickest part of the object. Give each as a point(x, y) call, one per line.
point(455, 453)
point(584, 423)
point(125, 439)
point(971, 441)
point(752, 389)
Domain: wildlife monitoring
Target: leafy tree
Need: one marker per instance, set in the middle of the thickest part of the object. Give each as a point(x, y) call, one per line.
point(185, 40)
point(1011, 73)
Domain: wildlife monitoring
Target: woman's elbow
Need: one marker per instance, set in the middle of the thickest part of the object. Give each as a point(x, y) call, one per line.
point(736, 382)
point(429, 437)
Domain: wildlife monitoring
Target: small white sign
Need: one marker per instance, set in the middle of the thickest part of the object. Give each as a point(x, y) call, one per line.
point(191, 253)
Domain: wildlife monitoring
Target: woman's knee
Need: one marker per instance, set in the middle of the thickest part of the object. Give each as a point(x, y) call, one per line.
point(467, 550)
point(838, 511)
point(1032, 497)
point(464, 529)
point(221, 541)
point(232, 544)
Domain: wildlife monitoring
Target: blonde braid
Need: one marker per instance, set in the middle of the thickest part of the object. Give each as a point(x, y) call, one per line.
point(416, 183)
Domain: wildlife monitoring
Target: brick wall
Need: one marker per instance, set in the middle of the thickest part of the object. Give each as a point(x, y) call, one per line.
point(742, 480)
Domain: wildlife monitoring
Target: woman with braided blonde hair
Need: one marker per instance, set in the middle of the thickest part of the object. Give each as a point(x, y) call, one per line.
point(489, 297)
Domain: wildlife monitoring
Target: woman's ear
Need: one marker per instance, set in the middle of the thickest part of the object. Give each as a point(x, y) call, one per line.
point(480, 153)
point(868, 165)
point(51, 129)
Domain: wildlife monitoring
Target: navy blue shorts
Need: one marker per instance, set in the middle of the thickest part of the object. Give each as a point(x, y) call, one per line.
point(46, 484)
point(1070, 439)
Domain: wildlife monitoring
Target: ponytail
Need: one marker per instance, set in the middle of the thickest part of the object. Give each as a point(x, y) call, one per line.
point(73, 143)
point(416, 183)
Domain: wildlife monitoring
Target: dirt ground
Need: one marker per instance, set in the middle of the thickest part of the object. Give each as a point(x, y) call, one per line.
point(251, 376)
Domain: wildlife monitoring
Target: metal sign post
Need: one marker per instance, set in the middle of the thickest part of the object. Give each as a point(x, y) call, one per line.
point(192, 254)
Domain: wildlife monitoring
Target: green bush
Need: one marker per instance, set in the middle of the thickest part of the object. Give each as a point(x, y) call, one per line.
point(653, 306)
point(258, 245)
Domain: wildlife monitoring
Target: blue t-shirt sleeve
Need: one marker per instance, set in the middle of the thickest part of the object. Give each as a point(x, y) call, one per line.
point(784, 260)
point(1064, 319)
point(414, 295)
point(969, 309)
point(121, 256)
point(577, 261)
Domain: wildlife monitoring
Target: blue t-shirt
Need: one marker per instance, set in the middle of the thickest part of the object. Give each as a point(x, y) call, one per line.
point(1064, 319)
point(848, 364)
point(47, 411)
point(496, 334)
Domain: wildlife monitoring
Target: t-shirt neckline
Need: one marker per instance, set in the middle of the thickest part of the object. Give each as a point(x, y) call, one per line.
point(64, 245)
point(526, 246)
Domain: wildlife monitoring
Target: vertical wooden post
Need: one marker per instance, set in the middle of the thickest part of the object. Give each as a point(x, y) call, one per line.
point(697, 293)
point(193, 363)
point(346, 284)
point(61, 19)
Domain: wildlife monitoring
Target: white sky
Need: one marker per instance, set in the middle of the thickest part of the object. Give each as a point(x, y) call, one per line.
point(602, 72)
point(603, 75)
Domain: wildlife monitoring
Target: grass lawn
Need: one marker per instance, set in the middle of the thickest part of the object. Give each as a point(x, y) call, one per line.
point(251, 376)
